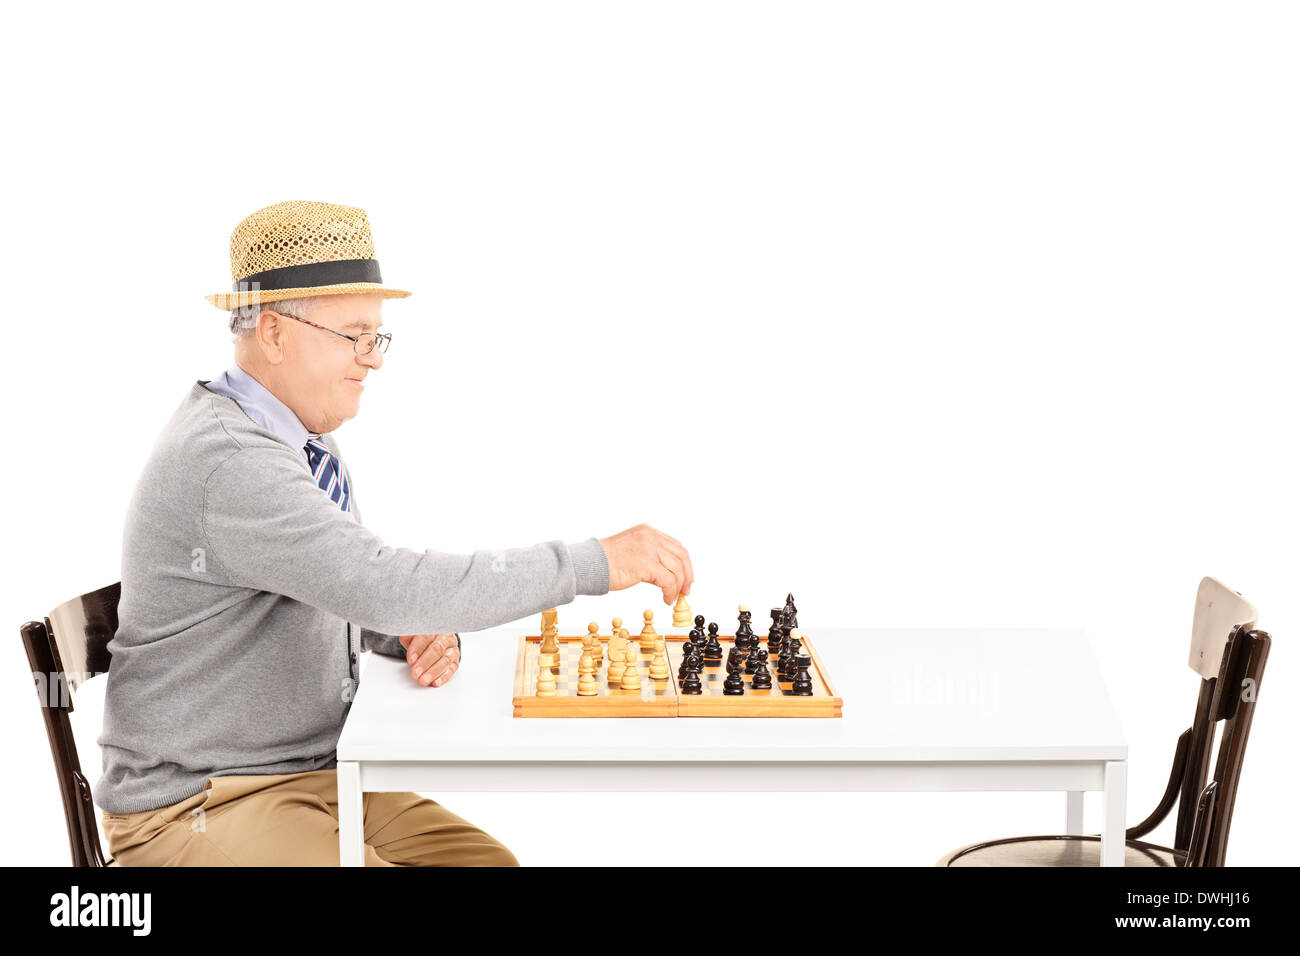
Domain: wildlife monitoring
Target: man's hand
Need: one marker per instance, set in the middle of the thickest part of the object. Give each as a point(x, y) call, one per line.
point(433, 657)
point(644, 554)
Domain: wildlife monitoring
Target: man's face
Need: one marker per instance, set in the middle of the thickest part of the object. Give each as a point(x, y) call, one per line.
point(321, 373)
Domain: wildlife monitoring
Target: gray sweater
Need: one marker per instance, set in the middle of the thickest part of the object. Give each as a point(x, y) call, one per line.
point(246, 595)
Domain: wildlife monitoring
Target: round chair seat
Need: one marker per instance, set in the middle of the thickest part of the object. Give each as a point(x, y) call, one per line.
point(1063, 850)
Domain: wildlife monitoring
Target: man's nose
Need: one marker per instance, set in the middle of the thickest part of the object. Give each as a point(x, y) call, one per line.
point(374, 358)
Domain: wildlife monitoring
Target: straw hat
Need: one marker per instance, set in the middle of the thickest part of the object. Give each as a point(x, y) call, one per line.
point(298, 248)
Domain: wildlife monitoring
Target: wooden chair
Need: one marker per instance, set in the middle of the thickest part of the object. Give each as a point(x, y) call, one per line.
point(1229, 657)
point(65, 650)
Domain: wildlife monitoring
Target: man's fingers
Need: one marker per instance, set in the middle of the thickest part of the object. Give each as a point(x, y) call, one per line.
point(688, 572)
point(415, 645)
point(430, 656)
point(674, 564)
point(440, 672)
point(663, 578)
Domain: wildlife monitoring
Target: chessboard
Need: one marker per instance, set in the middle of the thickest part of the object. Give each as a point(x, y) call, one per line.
point(664, 697)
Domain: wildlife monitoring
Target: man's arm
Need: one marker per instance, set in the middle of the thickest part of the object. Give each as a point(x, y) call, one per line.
point(268, 527)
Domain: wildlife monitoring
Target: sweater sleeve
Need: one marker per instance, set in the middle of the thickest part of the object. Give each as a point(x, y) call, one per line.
point(267, 526)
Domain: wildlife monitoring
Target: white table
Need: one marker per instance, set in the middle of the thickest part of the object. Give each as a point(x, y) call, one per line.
point(924, 710)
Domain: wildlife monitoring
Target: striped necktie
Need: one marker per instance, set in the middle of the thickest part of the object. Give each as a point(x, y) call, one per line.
point(325, 469)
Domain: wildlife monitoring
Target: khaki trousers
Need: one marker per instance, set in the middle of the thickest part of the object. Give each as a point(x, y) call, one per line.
point(292, 819)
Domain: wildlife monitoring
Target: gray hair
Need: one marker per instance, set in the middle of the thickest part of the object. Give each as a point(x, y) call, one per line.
point(243, 320)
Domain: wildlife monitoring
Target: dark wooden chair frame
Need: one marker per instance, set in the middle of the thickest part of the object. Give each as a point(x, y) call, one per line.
point(65, 650)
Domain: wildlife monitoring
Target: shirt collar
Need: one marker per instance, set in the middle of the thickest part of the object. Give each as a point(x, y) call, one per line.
point(264, 408)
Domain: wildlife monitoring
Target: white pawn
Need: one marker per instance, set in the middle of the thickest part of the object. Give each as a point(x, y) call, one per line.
point(631, 675)
point(545, 682)
point(587, 684)
point(648, 633)
point(659, 666)
point(597, 651)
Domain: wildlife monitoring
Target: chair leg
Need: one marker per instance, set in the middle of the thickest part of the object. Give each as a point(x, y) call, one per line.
point(1074, 812)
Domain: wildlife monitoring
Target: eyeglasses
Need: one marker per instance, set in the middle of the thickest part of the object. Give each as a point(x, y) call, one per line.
point(362, 344)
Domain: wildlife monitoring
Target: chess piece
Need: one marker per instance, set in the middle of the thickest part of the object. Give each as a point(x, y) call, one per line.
point(631, 675)
point(545, 682)
point(774, 632)
point(712, 649)
point(691, 683)
point(549, 632)
point(762, 679)
point(757, 656)
point(616, 626)
point(648, 633)
point(597, 652)
point(796, 643)
point(690, 657)
point(681, 612)
point(659, 666)
point(586, 664)
point(744, 633)
point(791, 610)
point(617, 664)
point(587, 685)
point(803, 685)
point(734, 685)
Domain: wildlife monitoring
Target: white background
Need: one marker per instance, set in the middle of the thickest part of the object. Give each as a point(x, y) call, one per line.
point(935, 314)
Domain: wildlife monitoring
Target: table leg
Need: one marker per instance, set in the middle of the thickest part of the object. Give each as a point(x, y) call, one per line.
point(351, 852)
point(1074, 811)
point(1114, 792)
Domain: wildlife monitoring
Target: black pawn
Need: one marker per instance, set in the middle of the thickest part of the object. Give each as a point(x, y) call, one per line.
point(734, 685)
point(712, 649)
point(690, 654)
point(757, 656)
point(690, 684)
point(762, 676)
point(803, 686)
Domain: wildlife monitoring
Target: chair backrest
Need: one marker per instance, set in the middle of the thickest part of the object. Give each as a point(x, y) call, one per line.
point(1236, 692)
point(1220, 611)
point(66, 649)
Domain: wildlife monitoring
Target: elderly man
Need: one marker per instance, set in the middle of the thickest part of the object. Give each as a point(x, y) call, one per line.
point(249, 584)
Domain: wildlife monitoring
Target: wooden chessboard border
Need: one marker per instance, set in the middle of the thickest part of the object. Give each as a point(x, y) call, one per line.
point(526, 703)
